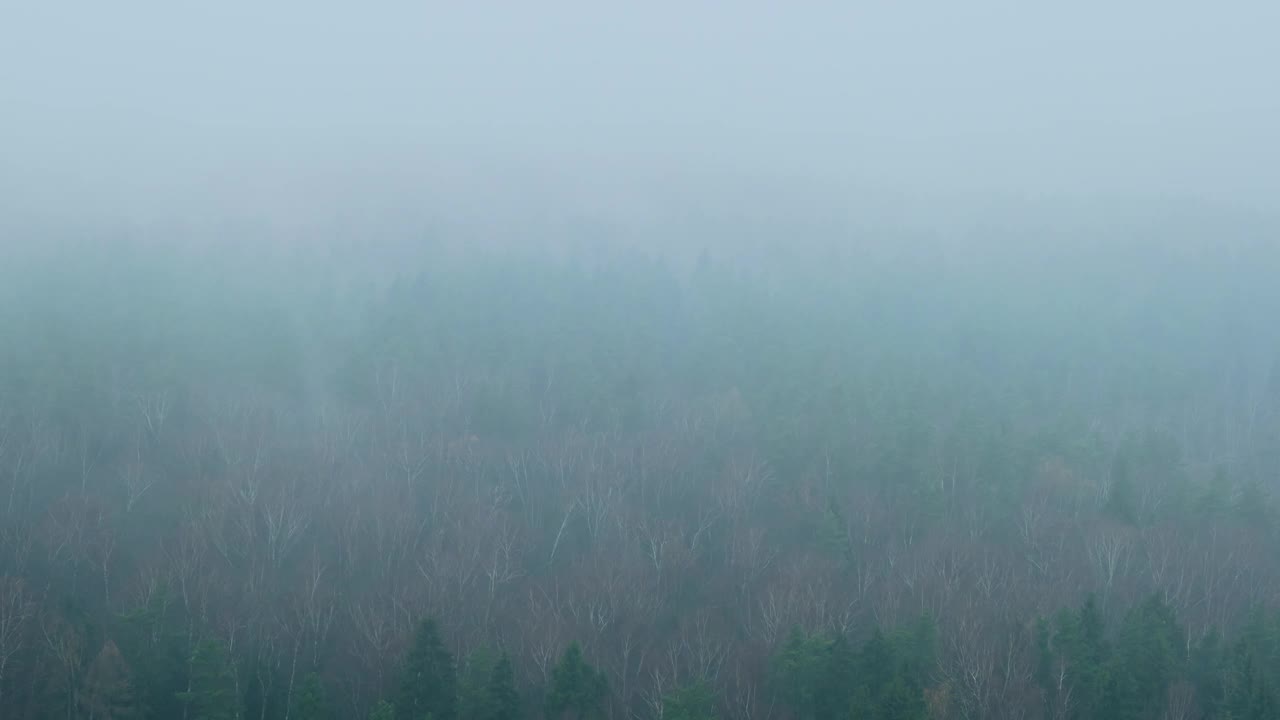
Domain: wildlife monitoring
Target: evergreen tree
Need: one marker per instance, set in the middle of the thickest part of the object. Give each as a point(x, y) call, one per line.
point(1119, 697)
point(154, 649)
point(502, 691)
point(487, 688)
point(913, 656)
point(383, 711)
point(1251, 688)
point(915, 647)
point(475, 700)
point(211, 693)
point(1206, 673)
point(1151, 654)
point(578, 690)
point(834, 696)
point(107, 692)
point(692, 702)
point(798, 672)
point(820, 677)
point(1093, 628)
point(901, 700)
point(876, 672)
point(1250, 693)
point(313, 702)
point(1081, 645)
point(429, 685)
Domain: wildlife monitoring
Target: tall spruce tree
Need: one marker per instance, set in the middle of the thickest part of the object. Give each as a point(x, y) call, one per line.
point(1151, 654)
point(834, 696)
point(211, 694)
point(429, 686)
point(1081, 644)
point(313, 701)
point(798, 672)
point(154, 647)
point(691, 702)
point(577, 690)
point(502, 691)
point(475, 680)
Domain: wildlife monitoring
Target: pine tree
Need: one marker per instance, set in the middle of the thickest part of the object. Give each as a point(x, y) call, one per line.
point(877, 666)
point(155, 649)
point(834, 692)
point(212, 687)
point(1251, 690)
point(577, 689)
point(1151, 653)
point(430, 685)
point(1080, 643)
point(693, 702)
point(502, 691)
point(798, 672)
point(1093, 629)
point(915, 647)
point(900, 701)
point(313, 703)
point(107, 692)
point(475, 699)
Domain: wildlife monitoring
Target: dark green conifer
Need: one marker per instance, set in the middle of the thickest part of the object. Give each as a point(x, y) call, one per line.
point(578, 690)
point(212, 686)
point(428, 687)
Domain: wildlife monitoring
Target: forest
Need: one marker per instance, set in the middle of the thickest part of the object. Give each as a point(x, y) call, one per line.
point(880, 482)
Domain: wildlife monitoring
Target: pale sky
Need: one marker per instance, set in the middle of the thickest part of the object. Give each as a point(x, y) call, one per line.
point(163, 108)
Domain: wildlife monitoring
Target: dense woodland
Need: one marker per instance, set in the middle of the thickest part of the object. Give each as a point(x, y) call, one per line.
point(880, 482)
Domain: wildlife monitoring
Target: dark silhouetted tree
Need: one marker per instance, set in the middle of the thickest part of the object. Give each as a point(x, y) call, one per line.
point(504, 698)
point(577, 689)
point(211, 693)
point(428, 687)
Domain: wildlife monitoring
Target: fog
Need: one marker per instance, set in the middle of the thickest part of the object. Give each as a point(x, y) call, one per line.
point(664, 361)
point(292, 110)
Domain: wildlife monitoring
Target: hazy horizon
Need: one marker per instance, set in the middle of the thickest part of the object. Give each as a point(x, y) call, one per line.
point(315, 112)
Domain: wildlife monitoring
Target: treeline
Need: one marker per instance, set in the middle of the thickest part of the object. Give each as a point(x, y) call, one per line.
point(233, 487)
point(1146, 666)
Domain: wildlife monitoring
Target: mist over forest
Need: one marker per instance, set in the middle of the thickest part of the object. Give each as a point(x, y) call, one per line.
point(685, 362)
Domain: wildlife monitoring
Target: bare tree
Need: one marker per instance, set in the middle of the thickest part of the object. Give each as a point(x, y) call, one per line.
point(16, 609)
point(66, 645)
point(284, 519)
point(153, 410)
point(1109, 551)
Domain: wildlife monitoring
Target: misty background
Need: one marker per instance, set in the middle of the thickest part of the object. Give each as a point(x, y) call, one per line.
point(919, 114)
point(675, 361)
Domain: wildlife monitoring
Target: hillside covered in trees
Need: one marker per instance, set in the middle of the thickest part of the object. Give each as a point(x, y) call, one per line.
point(894, 482)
